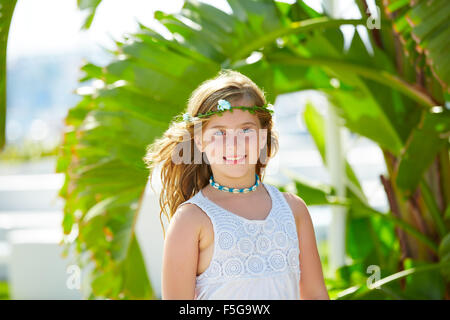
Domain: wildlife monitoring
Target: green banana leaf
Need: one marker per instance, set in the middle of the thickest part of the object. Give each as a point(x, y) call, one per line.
point(425, 141)
point(90, 6)
point(424, 27)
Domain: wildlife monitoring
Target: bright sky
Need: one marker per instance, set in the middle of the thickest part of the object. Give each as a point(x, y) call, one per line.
point(53, 26)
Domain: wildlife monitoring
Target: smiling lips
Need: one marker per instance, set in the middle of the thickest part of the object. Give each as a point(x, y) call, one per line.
point(234, 160)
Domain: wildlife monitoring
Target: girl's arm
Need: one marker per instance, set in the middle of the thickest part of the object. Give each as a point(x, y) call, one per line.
point(180, 255)
point(312, 284)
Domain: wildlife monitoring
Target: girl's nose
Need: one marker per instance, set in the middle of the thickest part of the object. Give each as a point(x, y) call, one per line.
point(234, 143)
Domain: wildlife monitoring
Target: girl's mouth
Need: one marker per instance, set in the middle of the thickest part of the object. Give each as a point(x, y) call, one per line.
point(234, 160)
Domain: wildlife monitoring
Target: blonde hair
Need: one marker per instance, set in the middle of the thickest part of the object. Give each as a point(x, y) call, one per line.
point(181, 181)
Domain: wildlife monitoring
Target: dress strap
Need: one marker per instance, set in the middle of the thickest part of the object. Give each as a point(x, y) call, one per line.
point(196, 199)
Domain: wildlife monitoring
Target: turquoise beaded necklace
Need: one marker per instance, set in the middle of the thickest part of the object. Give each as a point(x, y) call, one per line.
point(234, 190)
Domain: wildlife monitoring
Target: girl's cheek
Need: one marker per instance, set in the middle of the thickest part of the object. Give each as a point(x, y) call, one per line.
point(214, 150)
point(252, 149)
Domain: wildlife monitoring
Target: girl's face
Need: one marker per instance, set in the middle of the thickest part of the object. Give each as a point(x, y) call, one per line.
point(232, 142)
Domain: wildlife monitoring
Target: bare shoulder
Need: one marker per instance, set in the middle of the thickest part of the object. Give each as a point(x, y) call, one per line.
point(189, 214)
point(189, 217)
point(298, 206)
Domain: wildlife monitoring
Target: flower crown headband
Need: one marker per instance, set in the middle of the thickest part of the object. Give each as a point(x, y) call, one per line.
point(223, 105)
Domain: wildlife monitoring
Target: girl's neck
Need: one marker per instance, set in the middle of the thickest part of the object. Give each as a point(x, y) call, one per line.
point(246, 181)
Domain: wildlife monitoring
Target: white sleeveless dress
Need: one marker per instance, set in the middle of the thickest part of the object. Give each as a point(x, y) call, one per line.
point(252, 259)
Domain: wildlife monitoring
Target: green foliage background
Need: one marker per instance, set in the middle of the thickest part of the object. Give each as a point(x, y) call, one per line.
point(394, 96)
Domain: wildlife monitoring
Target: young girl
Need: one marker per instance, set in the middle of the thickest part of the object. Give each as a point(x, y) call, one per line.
point(231, 236)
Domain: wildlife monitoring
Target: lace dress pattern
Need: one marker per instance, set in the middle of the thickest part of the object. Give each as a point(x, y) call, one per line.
point(251, 249)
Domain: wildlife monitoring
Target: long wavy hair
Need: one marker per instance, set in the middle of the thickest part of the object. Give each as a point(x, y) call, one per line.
point(181, 181)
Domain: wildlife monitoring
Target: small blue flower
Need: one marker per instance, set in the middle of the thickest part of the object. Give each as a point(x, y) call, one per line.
point(187, 117)
point(223, 105)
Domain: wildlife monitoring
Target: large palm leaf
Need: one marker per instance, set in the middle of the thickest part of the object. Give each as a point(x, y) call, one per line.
point(424, 29)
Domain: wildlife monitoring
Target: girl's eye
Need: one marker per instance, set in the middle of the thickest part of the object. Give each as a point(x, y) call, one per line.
point(218, 131)
point(221, 132)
